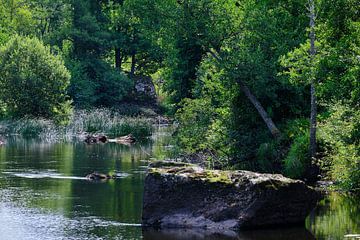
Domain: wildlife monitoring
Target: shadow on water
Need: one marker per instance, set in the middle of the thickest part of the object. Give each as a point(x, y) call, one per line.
point(186, 234)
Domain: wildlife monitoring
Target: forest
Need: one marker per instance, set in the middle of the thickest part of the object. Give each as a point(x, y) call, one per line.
point(264, 85)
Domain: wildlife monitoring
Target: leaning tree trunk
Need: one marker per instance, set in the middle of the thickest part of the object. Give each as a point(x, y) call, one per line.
point(313, 113)
point(264, 115)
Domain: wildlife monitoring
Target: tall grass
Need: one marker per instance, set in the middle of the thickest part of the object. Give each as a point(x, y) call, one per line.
point(82, 122)
point(109, 122)
point(27, 127)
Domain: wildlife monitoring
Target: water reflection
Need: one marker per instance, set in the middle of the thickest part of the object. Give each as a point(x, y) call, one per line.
point(198, 234)
point(43, 194)
point(335, 216)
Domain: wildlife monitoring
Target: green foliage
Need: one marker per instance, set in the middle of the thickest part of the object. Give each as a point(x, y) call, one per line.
point(267, 156)
point(33, 81)
point(134, 110)
point(195, 119)
point(341, 132)
point(298, 158)
point(103, 87)
point(248, 53)
point(202, 53)
point(94, 81)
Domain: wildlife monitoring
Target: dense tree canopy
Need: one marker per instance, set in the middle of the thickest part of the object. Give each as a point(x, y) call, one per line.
point(235, 74)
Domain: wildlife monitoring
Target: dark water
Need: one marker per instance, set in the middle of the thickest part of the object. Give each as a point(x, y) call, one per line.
point(44, 195)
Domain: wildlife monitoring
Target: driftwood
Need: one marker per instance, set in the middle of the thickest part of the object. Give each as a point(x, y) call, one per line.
point(127, 140)
point(95, 176)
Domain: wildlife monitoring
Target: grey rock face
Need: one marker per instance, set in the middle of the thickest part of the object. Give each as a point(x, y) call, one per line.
point(178, 195)
point(144, 88)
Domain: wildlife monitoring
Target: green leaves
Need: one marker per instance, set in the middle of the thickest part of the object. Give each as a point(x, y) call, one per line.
point(34, 81)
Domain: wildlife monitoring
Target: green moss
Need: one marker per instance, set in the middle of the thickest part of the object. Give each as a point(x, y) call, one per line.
point(276, 185)
point(166, 167)
point(217, 177)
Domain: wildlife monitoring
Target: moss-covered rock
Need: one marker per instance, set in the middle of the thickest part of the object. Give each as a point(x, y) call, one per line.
point(185, 195)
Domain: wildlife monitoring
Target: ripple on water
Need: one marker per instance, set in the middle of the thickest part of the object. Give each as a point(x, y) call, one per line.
point(52, 174)
point(25, 223)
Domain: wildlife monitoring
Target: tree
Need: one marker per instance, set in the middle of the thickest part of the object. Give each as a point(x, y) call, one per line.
point(33, 81)
point(132, 30)
point(313, 113)
point(239, 71)
point(94, 81)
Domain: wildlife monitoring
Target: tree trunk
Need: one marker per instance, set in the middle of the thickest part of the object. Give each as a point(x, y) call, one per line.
point(118, 58)
point(133, 65)
point(264, 115)
point(313, 113)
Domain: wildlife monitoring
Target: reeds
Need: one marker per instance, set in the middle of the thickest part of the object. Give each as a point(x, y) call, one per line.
point(82, 122)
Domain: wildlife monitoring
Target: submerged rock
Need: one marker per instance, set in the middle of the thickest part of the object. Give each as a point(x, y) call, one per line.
point(95, 176)
point(179, 195)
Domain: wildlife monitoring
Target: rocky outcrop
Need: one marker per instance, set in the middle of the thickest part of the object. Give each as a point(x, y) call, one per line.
point(179, 195)
point(144, 89)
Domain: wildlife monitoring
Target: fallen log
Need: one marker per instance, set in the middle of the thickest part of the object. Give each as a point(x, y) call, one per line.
point(127, 140)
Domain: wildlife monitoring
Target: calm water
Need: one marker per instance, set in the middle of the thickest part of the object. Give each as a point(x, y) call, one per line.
point(44, 195)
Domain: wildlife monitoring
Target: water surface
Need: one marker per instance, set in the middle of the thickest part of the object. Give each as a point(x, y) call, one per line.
point(44, 195)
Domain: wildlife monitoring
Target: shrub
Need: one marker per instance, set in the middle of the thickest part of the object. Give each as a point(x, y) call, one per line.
point(33, 81)
point(195, 118)
point(341, 132)
point(298, 158)
point(94, 83)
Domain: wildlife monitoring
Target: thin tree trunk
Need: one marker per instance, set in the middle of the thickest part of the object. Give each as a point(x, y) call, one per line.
point(118, 58)
point(264, 115)
point(313, 114)
point(133, 65)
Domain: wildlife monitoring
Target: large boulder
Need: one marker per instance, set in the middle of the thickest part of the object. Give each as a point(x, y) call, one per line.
point(144, 89)
point(179, 195)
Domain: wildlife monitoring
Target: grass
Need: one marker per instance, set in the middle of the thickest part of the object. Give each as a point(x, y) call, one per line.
point(93, 121)
point(109, 122)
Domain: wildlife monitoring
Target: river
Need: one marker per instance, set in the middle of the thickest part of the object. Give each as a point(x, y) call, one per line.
point(44, 195)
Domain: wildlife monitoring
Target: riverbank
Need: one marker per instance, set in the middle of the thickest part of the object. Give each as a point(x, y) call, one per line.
point(105, 121)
